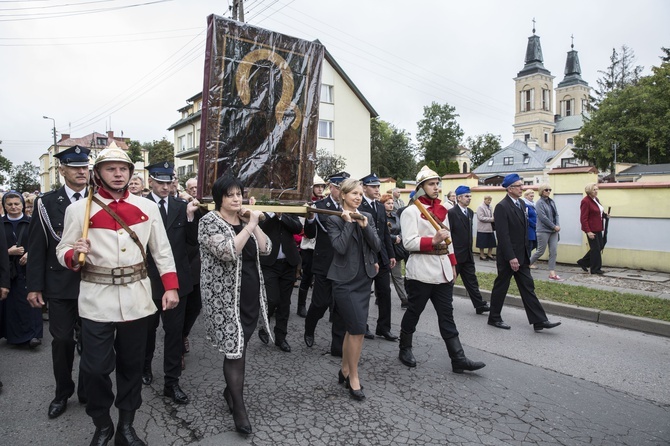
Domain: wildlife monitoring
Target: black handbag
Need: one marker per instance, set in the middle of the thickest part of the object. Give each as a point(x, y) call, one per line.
point(400, 252)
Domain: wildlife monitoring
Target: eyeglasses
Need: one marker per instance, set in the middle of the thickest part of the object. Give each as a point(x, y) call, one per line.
point(547, 190)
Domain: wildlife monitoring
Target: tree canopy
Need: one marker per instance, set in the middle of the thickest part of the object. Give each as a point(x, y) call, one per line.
point(159, 151)
point(636, 118)
point(5, 167)
point(392, 152)
point(482, 147)
point(621, 73)
point(439, 134)
point(135, 151)
point(25, 178)
point(328, 164)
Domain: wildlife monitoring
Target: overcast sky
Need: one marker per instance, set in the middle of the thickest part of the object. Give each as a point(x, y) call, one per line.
point(129, 67)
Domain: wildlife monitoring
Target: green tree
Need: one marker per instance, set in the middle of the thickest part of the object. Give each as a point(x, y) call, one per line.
point(482, 147)
point(135, 151)
point(635, 118)
point(328, 164)
point(453, 167)
point(25, 177)
point(392, 152)
point(621, 73)
point(5, 167)
point(439, 134)
point(159, 151)
point(184, 178)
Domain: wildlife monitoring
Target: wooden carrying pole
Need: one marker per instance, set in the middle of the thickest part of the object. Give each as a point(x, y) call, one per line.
point(415, 201)
point(299, 210)
point(87, 220)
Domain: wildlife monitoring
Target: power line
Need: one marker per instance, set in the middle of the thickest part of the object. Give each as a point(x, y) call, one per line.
point(40, 16)
point(56, 6)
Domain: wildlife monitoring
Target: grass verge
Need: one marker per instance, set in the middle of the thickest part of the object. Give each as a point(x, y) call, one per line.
point(623, 303)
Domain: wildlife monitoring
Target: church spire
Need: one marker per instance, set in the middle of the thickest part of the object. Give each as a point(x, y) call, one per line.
point(533, 62)
point(573, 71)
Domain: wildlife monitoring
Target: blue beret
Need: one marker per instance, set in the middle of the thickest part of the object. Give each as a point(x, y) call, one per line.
point(460, 190)
point(510, 179)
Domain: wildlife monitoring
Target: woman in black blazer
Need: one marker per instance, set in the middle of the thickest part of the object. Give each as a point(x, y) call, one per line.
point(355, 244)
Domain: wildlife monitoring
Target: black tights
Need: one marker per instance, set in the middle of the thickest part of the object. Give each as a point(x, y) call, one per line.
point(233, 372)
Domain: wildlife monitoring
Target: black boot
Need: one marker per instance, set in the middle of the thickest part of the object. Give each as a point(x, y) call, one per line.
point(125, 432)
point(104, 431)
point(302, 302)
point(405, 355)
point(458, 360)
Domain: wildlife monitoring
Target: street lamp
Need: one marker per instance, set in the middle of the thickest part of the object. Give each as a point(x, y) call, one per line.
point(54, 130)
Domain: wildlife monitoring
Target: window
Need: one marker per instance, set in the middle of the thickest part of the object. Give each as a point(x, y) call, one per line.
point(181, 143)
point(527, 98)
point(181, 170)
point(508, 160)
point(526, 158)
point(546, 99)
point(526, 137)
point(326, 129)
point(490, 162)
point(570, 141)
point(568, 162)
point(585, 105)
point(327, 93)
point(189, 140)
point(101, 141)
point(568, 107)
point(189, 169)
point(546, 137)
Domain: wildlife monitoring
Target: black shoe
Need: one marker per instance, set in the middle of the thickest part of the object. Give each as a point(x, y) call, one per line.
point(484, 309)
point(302, 311)
point(341, 379)
point(125, 432)
point(147, 376)
point(34, 343)
point(368, 334)
point(174, 391)
point(598, 272)
point(103, 435)
point(545, 324)
point(263, 336)
point(309, 340)
point(283, 345)
point(581, 264)
point(358, 395)
point(57, 408)
point(387, 335)
point(82, 399)
point(499, 324)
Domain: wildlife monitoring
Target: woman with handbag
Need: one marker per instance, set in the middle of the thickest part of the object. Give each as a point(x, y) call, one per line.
point(393, 221)
point(22, 324)
point(486, 239)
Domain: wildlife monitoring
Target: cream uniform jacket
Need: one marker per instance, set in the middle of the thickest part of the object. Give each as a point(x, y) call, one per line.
point(111, 247)
point(417, 234)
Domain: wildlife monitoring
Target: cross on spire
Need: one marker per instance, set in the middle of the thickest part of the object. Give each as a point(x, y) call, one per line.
point(572, 44)
point(533, 25)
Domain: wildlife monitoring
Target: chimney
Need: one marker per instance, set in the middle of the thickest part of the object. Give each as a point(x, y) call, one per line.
point(110, 134)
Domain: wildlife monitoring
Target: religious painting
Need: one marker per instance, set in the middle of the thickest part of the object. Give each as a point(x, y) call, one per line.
point(260, 110)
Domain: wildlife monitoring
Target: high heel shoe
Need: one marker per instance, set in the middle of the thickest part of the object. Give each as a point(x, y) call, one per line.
point(341, 379)
point(357, 394)
point(228, 398)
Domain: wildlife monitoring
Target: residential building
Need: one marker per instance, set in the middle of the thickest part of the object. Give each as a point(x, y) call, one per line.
point(49, 176)
point(344, 124)
point(546, 120)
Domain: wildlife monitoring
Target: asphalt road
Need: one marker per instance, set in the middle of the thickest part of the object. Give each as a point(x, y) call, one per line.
point(581, 383)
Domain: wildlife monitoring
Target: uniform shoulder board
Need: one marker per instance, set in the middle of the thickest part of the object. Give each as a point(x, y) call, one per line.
point(46, 194)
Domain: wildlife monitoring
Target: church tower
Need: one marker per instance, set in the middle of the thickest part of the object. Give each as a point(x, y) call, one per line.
point(534, 117)
point(572, 98)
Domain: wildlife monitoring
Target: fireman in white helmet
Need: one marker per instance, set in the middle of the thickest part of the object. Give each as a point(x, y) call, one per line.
point(115, 293)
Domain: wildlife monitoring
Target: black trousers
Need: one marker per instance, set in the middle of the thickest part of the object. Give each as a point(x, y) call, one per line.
point(441, 295)
point(307, 256)
point(63, 316)
point(279, 279)
point(193, 308)
point(173, 326)
point(382, 283)
point(322, 299)
point(468, 275)
point(111, 345)
point(594, 257)
point(524, 281)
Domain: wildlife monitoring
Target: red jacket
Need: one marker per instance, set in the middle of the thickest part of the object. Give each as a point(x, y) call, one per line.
point(590, 215)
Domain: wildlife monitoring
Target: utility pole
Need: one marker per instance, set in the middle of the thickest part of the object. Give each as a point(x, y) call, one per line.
point(54, 131)
point(238, 10)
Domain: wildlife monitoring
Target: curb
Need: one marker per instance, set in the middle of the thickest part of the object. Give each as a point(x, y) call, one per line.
point(646, 325)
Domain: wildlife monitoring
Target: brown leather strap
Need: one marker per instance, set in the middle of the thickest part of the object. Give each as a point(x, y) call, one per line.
point(123, 224)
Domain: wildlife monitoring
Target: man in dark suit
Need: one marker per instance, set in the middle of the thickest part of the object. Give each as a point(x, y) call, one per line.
point(513, 258)
point(382, 280)
point(49, 281)
point(182, 231)
point(322, 295)
point(460, 222)
point(279, 272)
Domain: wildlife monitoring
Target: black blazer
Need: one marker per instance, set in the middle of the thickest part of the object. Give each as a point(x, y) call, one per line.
point(346, 241)
point(379, 217)
point(280, 231)
point(323, 251)
point(182, 236)
point(512, 231)
point(461, 233)
point(18, 238)
point(44, 272)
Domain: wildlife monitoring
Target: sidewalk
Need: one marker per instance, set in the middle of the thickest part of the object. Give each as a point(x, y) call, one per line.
point(622, 280)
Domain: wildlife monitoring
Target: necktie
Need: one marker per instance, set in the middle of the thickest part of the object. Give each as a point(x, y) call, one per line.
point(518, 205)
point(374, 206)
point(76, 196)
point(161, 207)
point(465, 212)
